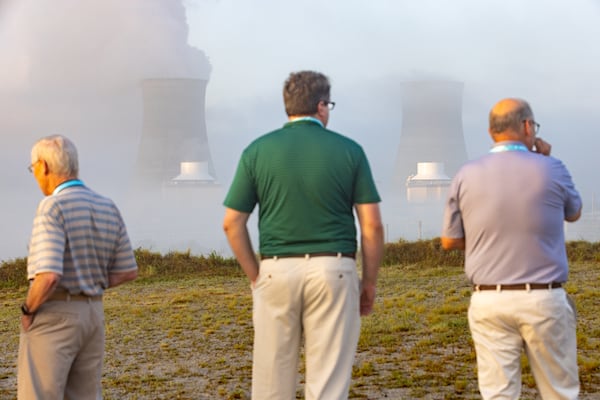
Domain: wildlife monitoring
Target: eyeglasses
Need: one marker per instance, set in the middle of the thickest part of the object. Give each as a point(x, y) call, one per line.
point(329, 104)
point(536, 126)
point(30, 168)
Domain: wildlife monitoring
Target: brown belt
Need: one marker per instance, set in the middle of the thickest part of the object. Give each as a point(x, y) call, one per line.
point(519, 286)
point(309, 255)
point(65, 296)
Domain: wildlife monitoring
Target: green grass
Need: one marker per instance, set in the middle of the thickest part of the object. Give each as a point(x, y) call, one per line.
point(183, 330)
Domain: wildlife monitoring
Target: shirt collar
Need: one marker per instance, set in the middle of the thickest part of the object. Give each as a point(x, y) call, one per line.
point(508, 145)
point(66, 184)
point(311, 119)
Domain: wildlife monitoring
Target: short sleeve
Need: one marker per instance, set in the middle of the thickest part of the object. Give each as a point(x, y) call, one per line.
point(365, 190)
point(452, 223)
point(242, 194)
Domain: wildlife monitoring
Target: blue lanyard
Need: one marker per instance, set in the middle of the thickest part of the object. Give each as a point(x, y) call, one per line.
point(509, 147)
point(66, 184)
point(313, 119)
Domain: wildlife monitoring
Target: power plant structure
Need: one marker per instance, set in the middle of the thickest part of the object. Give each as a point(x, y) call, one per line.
point(430, 184)
point(173, 132)
point(174, 191)
point(432, 129)
point(431, 150)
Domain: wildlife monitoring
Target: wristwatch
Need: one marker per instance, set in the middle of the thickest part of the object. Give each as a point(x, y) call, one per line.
point(25, 310)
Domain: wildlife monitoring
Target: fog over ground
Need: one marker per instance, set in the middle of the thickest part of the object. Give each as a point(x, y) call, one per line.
point(74, 67)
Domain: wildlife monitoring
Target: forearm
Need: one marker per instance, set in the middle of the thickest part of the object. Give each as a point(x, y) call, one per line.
point(371, 241)
point(239, 240)
point(238, 237)
point(575, 217)
point(453, 243)
point(115, 279)
point(40, 290)
point(371, 230)
point(372, 254)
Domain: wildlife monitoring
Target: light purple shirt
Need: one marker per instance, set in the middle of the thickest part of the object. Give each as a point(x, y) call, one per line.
point(510, 207)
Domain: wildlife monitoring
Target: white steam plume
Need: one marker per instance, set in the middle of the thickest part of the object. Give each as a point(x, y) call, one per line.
point(74, 67)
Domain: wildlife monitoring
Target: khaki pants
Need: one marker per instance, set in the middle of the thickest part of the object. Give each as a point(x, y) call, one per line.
point(60, 356)
point(541, 322)
point(320, 297)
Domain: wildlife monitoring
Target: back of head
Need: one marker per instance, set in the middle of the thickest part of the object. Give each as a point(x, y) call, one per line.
point(508, 115)
point(59, 153)
point(303, 91)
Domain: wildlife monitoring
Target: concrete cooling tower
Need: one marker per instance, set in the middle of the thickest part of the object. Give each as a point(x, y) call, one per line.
point(431, 150)
point(175, 199)
point(173, 131)
point(429, 184)
point(432, 128)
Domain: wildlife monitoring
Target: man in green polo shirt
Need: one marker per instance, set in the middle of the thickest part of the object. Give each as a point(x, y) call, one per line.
point(307, 180)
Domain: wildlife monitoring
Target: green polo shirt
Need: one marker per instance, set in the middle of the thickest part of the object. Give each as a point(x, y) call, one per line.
point(306, 180)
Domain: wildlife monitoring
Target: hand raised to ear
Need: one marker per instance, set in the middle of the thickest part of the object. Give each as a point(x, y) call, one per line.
point(542, 147)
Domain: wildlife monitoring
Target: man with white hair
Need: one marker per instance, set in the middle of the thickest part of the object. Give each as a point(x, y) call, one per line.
point(79, 248)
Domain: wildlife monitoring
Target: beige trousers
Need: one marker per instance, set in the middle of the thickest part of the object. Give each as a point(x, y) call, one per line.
point(60, 356)
point(318, 297)
point(539, 322)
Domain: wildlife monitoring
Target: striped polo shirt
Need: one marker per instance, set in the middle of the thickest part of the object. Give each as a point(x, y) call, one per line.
point(80, 236)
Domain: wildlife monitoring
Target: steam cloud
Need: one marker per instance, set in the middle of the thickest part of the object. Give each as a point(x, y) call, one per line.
point(74, 67)
point(80, 46)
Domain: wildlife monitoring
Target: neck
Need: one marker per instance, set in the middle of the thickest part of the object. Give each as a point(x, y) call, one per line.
point(512, 137)
point(62, 179)
point(507, 136)
point(315, 118)
point(55, 181)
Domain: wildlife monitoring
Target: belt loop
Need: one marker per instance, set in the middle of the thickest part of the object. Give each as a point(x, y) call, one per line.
point(339, 255)
point(550, 286)
point(274, 258)
point(528, 287)
point(498, 288)
point(477, 288)
point(68, 296)
point(307, 256)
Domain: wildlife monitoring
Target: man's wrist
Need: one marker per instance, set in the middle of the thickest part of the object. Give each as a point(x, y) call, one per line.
point(25, 310)
point(368, 284)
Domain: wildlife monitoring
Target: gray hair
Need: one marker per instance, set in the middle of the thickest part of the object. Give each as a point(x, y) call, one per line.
point(59, 153)
point(510, 120)
point(303, 91)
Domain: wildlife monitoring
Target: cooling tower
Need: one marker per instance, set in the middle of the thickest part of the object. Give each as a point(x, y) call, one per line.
point(432, 128)
point(173, 130)
point(175, 199)
point(430, 184)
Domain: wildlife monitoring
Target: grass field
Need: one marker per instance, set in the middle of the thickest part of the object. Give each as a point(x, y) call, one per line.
point(184, 331)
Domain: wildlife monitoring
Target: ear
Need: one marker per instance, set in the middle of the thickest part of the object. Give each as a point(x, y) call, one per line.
point(45, 168)
point(322, 111)
point(529, 131)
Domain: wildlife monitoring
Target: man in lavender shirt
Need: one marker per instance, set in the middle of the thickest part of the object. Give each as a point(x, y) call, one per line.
point(507, 210)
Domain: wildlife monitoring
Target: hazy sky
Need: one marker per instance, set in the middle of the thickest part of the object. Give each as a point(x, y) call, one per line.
point(74, 66)
point(543, 51)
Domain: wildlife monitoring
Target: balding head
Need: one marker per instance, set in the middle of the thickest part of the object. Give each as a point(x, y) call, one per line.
point(507, 117)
